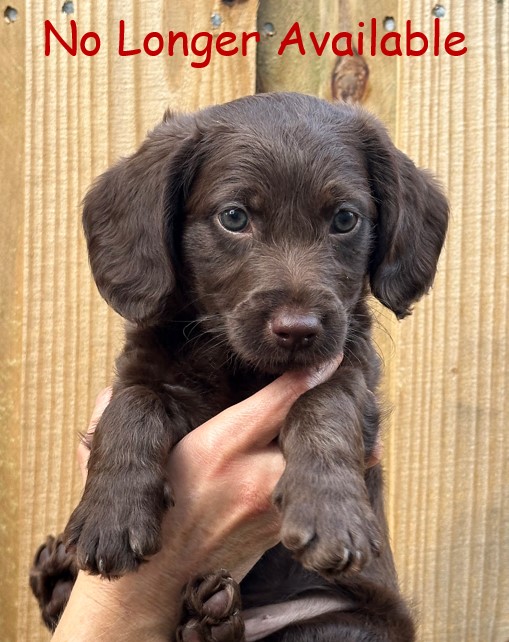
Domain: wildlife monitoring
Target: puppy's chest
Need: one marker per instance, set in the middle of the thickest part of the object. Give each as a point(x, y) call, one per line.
point(194, 380)
point(204, 388)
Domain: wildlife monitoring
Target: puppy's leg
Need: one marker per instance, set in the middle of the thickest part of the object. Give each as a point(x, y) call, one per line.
point(211, 610)
point(52, 577)
point(328, 521)
point(118, 521)
point(376, 610)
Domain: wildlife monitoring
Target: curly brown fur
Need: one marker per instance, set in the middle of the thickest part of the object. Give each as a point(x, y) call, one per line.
point(332, 212)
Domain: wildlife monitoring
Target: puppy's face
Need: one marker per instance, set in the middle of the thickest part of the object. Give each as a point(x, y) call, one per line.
point(277, 238)
point(272, 216)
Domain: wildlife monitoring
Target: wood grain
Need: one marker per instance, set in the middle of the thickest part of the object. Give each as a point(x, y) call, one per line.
point(12, 141)
point(292, 71)
point(382, 91)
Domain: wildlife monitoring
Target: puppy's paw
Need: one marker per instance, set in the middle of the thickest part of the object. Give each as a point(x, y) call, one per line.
point(52, 577)
point(211, 610)
point(115, 526)
point(330, 529)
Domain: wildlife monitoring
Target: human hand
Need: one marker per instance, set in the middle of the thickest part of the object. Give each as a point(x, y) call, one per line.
point(222, 475)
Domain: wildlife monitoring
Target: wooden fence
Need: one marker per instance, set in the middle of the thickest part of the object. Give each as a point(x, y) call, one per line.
point(64, 119)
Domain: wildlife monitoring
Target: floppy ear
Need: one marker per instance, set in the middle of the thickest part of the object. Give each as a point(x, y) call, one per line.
point(411, 224)
point(129, 215)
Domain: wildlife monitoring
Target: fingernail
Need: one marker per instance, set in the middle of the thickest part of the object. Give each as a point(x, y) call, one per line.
point(324, 372)
point(103, 398)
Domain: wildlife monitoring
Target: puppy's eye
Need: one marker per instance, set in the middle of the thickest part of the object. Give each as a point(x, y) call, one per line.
point(344, 221)
point(234, 219)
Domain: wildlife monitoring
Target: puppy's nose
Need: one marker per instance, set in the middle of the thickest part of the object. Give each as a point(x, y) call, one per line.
point(293, 330)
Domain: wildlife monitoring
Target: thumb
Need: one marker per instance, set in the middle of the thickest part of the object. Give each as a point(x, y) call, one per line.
point(102, 400)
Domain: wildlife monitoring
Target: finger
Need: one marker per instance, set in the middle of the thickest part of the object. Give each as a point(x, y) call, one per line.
point(102, 400)
point(376, 455)
point(83, 455)
point(256, 421)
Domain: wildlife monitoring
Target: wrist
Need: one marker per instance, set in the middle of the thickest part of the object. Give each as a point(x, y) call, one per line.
point(125, 609)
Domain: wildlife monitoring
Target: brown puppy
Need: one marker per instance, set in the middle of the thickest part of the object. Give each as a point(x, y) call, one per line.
point(240, 242)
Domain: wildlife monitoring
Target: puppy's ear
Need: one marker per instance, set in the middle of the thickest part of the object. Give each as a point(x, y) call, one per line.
point(411, 224)
point(129, 215)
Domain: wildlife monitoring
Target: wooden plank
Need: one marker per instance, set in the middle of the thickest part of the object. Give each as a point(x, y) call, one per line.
point(292, 71)
point(12, 168)
point(449, 483)
point(80, 113)
point(311, 73)
point(382, 91)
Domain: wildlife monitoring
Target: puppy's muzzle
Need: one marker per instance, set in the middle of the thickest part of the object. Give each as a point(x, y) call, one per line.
point(281, 329)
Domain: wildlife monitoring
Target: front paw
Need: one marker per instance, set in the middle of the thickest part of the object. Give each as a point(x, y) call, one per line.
point(117, 524)
point(328, 524)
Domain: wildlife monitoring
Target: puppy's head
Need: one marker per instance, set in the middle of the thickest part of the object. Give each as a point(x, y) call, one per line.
point(272, 215)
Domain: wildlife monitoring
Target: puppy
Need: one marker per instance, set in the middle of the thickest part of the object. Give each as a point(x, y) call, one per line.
point(240, 242)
